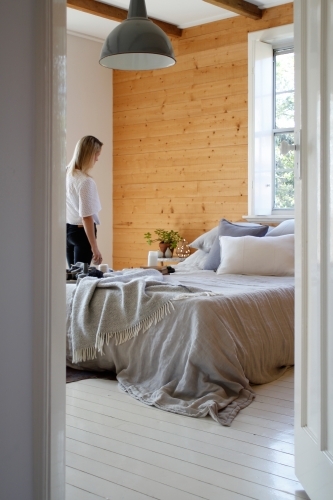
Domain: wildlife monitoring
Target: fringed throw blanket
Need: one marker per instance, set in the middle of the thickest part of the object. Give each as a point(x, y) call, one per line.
point(122, 305)
point(200, 358)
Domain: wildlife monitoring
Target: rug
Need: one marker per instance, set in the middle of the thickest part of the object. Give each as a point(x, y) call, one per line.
point(73, 375)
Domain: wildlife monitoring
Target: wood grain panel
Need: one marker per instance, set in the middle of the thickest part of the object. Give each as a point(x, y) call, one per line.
point(202, 157)
point(185, 62)
point(208, 42)
point(168, 220)
point(172, 80)
point(143, 84)
point(180, 137)
point(130, 262)
point(236, 35)
point(215, 138)
point(206, 205)
point(231, 187)
point(161, 98)
point(189, 109)
point(185, 173)
point(162, 112)
point(224, 117)
point(187, 206)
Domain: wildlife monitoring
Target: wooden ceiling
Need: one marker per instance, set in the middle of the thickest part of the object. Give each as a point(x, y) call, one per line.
point(116, 14)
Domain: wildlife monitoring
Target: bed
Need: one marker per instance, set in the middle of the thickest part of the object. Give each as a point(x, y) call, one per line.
point(224, 332)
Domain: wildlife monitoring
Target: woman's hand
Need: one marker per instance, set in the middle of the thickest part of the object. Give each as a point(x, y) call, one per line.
point(97, 256)
point(88, 224)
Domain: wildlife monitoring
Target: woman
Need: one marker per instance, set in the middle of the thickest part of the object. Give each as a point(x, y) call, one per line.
point(82, 203)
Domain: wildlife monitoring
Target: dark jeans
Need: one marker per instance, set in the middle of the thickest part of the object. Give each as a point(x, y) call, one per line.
point(78, 248)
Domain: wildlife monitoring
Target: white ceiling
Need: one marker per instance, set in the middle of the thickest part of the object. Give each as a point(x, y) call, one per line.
point(182, 13)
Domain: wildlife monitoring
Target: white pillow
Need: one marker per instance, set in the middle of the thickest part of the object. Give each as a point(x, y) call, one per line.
point(193, 262)
point(286, 227)
point(204, 241)
point(257, 256)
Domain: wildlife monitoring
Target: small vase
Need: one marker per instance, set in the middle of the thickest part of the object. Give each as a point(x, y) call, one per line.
point(168, 253)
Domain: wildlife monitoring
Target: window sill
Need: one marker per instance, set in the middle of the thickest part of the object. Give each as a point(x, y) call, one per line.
point(268, 218)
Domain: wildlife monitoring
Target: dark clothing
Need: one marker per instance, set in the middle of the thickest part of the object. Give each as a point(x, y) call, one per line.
point(78, 248)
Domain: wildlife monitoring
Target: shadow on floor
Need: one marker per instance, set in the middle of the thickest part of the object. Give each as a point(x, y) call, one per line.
point(73, 375)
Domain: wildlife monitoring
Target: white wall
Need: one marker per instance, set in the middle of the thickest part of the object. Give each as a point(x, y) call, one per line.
point(89, 112)
point(16, 249)
point(31, 225)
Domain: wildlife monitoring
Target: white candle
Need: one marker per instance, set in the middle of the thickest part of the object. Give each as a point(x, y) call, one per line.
point(152, 258)
point(104, 268)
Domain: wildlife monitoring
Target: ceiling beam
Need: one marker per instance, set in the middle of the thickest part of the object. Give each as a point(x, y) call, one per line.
point(240, 7)
point(116, 14)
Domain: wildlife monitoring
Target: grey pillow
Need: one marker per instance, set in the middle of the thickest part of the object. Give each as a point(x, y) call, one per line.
point(205, 240)
point(226, 228)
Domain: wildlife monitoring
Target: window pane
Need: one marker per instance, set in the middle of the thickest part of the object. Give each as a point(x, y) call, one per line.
point(284, 89)
point(284, 71)
point(284, 173)
point(284, 114)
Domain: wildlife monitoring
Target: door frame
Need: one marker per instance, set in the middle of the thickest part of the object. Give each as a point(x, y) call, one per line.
point(313, 238)
point(49, 343)
point(49, 228)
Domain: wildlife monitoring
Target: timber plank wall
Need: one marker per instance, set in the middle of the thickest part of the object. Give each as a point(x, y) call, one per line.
point(180, 137)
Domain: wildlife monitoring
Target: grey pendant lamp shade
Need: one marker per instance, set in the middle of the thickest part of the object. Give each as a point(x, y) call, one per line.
point(137, 43)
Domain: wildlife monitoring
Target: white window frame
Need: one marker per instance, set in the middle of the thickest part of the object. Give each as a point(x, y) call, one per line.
point(260, 121)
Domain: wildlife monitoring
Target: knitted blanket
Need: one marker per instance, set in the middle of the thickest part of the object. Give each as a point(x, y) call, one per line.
point(122, 305)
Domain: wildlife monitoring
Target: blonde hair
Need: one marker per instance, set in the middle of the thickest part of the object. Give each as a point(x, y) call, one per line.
point(84, 154)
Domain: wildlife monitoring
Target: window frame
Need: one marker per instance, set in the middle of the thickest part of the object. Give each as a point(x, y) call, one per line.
point(272, 38)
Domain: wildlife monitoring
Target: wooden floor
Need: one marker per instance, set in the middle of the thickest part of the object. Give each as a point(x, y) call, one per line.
point(120, 449)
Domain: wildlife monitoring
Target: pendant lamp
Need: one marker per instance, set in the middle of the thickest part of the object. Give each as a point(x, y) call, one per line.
point(137, 43)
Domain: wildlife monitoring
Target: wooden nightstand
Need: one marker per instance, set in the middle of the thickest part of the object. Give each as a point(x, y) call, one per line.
point(172, 260)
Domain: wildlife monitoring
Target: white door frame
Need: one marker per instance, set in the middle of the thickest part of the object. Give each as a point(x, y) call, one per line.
point(49, 349)
point(314, 248)
point(49, 285)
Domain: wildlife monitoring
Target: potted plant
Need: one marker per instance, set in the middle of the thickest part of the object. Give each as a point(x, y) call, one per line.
point(167, 239)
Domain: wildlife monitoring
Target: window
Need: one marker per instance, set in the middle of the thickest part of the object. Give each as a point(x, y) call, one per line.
point(283, 128)
point(271, 123)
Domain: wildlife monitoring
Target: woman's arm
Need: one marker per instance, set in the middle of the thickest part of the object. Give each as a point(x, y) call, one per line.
point(88, 224)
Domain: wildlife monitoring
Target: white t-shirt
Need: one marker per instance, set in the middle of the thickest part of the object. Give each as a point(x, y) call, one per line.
point(82, 198)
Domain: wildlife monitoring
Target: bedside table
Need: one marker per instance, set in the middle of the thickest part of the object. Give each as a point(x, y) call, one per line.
point(173, 260)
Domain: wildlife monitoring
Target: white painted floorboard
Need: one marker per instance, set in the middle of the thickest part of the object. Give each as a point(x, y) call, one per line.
point(120, 449)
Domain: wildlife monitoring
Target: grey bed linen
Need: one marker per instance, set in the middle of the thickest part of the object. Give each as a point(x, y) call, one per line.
point(203, 356)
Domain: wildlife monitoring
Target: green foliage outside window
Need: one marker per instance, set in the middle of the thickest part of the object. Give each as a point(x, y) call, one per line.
point(284, 174)
point(284, 119)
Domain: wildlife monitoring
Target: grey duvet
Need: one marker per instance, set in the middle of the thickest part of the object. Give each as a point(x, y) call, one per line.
point(203, 356)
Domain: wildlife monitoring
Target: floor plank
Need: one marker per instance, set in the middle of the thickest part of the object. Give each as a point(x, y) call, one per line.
point(119, 448)
point(204, 429)
point(73, 493)
point(225, 478)
point(203, 456)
